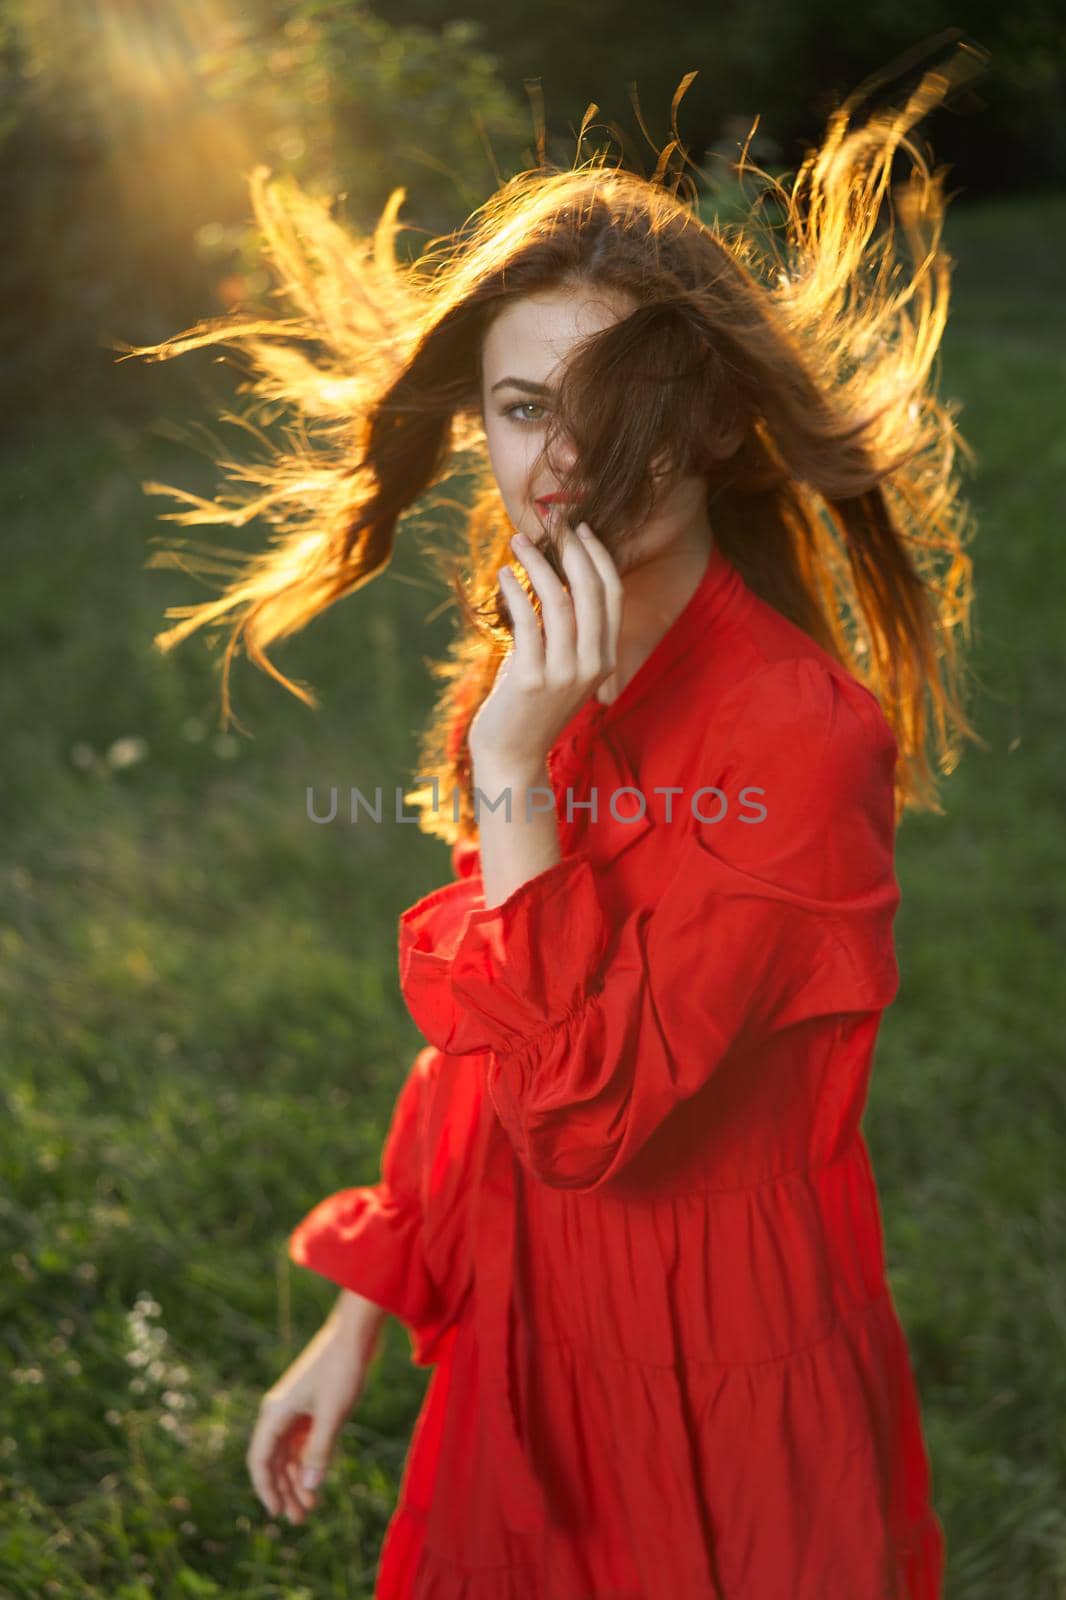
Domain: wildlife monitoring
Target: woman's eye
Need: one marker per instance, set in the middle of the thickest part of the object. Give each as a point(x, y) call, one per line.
point(522, 406)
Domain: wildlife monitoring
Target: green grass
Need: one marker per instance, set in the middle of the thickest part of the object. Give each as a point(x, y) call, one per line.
point(202, 1032)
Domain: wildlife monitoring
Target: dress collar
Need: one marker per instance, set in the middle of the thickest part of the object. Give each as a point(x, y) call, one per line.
point(591, 751)
point(719, 584)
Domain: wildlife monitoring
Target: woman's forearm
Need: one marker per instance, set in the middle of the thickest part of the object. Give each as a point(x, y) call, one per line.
point(357, 1317)
point(516, 850)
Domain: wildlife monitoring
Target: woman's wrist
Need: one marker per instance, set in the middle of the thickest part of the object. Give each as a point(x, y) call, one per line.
point(357, 1315)
point(518, 831)
point(493, 775)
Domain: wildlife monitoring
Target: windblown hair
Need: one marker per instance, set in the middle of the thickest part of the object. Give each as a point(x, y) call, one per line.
point(794, 375)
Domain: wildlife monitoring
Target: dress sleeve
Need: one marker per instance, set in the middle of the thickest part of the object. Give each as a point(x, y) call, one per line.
point(368, 1239)
point(595, 1030)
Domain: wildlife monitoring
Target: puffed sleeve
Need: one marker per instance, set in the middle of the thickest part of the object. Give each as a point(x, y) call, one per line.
point(368, 1239)
point(595, 1031)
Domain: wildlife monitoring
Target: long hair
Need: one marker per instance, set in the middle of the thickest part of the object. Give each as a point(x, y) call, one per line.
point(794, 373)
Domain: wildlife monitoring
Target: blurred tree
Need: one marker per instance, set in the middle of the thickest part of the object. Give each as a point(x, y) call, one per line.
point(129, 129)
point(790, 65)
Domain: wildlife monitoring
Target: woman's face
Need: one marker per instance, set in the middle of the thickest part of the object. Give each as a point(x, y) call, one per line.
point(525, 350)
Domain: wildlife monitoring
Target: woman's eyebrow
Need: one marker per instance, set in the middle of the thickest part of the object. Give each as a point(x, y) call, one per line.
point(523, 384)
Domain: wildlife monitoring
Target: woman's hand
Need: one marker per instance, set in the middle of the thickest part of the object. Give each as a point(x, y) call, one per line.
point(549, 675)
point(302, 1414)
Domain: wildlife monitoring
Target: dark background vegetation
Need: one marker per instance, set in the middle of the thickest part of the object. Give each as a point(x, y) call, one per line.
point(200, 1025)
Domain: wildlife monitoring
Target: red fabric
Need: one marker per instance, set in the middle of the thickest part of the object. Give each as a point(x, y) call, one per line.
point(640, 1234)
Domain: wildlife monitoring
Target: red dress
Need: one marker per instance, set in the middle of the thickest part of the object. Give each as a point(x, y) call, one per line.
point(626, 1209)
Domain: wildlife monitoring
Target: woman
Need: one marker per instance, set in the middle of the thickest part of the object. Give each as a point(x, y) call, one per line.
point(626, 1209)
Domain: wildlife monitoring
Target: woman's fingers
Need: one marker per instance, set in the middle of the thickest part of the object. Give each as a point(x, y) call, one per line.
point(279, 1468)
point(580, 628)
point(274, 1462)
point(299, 1499)
point(259, 1461)
point(589, 589)
point(526, 628)
point(557, 613)
point(296, 1507)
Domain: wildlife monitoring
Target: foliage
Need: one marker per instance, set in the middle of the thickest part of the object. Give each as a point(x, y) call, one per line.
point(130, 135)
point(789, 64)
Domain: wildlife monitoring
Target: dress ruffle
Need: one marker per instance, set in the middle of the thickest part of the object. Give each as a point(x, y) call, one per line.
point(803, 1478)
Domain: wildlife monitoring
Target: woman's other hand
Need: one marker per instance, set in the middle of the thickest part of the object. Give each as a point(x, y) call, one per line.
point(549, 674)
point(301, 1415)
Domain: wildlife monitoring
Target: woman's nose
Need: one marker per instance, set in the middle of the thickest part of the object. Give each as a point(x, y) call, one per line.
point(563, 452)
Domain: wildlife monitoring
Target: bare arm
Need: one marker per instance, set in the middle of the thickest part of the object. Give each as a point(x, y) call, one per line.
point(354, 1314)
point(512, 852)
point(544, 680)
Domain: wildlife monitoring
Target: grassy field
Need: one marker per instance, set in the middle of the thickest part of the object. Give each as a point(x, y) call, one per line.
point(202, 1032)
